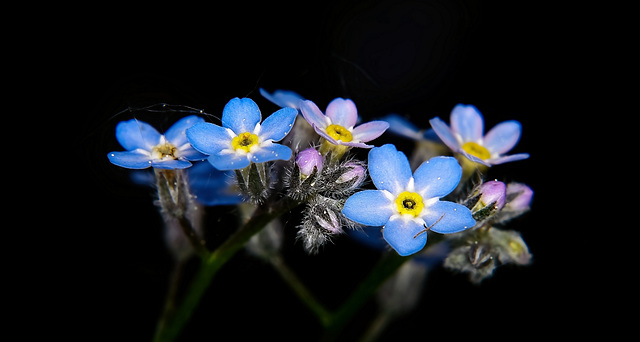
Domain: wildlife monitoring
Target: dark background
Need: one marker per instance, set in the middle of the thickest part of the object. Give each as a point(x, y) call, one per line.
point(414, 58)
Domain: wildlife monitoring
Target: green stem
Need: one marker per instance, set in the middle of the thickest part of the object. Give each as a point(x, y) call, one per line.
point(212, 264)
point(388, 264)
point(386, 267)
point(300, 289)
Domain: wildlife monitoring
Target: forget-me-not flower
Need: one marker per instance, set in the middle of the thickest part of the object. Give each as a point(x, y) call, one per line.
point(338, 125)
point(146, 147)
point(406, 204)
point(465, 136)
point(213, 187)
point(241, 139)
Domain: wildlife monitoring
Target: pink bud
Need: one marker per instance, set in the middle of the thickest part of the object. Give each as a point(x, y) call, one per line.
point(308, 159)
point(353, 170)
point(519, 196)
point(493, 192)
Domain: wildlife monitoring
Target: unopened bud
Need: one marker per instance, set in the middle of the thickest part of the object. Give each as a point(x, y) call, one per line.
point(308, 160)
point(488, 249)
point(322, 220)
point(488, 199)
point(354, 174)
point(519, 196)
point(518, 201)
point(341, 180)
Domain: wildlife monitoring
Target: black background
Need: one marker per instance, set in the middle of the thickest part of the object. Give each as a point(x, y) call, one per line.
point(414, 58)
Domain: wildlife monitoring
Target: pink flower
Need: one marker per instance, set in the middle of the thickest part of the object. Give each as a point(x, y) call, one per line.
point(337, 126)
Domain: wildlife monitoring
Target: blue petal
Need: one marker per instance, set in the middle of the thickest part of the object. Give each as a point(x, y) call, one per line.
point(368, 207)
point(211, 186)
point(209, 138)
point(283, 98)
point(503, 137)
point(170, 164)
point(175, 134)
point(443, 132)
point(507, 159)
point(278, 124)
point(313, 115)
point(134, 134)
point(467, 121)
point(241, 115)
point(229, 161)
point(437, 177)
point(401, 235)
point(190, 153)
point(403, 127)
point(456, 217)
point(389, 169)
point(271, 152)
point(130, 159)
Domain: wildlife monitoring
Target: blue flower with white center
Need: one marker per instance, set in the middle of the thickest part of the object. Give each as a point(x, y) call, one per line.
point(241, 139)
point(408, 205)
point(465, 136)
point(146, 147)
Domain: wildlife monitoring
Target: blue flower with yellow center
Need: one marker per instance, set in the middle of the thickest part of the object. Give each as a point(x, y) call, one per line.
point(408, 204)
point(146, 147)
point(465, 136)
point(242, 139)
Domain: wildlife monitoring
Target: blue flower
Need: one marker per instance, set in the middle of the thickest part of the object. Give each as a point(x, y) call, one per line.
point(242, 139)
point(213, 187)
point(407, 204)
point(146, 147)
point(465, 136)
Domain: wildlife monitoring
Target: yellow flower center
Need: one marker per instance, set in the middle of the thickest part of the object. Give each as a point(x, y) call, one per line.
point(476, 150)
point(409, 203)
point(162, 151)
point(244, 141)
point(339, 133)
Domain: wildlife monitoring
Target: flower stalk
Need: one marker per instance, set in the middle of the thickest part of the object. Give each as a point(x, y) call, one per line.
point(176, 205)
point(412, 199)
point(210, 265)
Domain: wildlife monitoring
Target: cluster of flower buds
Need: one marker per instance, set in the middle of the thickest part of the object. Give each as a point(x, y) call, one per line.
point(479, 251)
point(325, 185)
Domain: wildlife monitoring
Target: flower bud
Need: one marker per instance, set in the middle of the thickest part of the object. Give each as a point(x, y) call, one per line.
point(307, 160)
point(518, 201)
point(488, 199)
point(475, 258)
point(341, 180)
point(322, 220)
point(354, 174)
point(519, 196)
point(480, 254)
